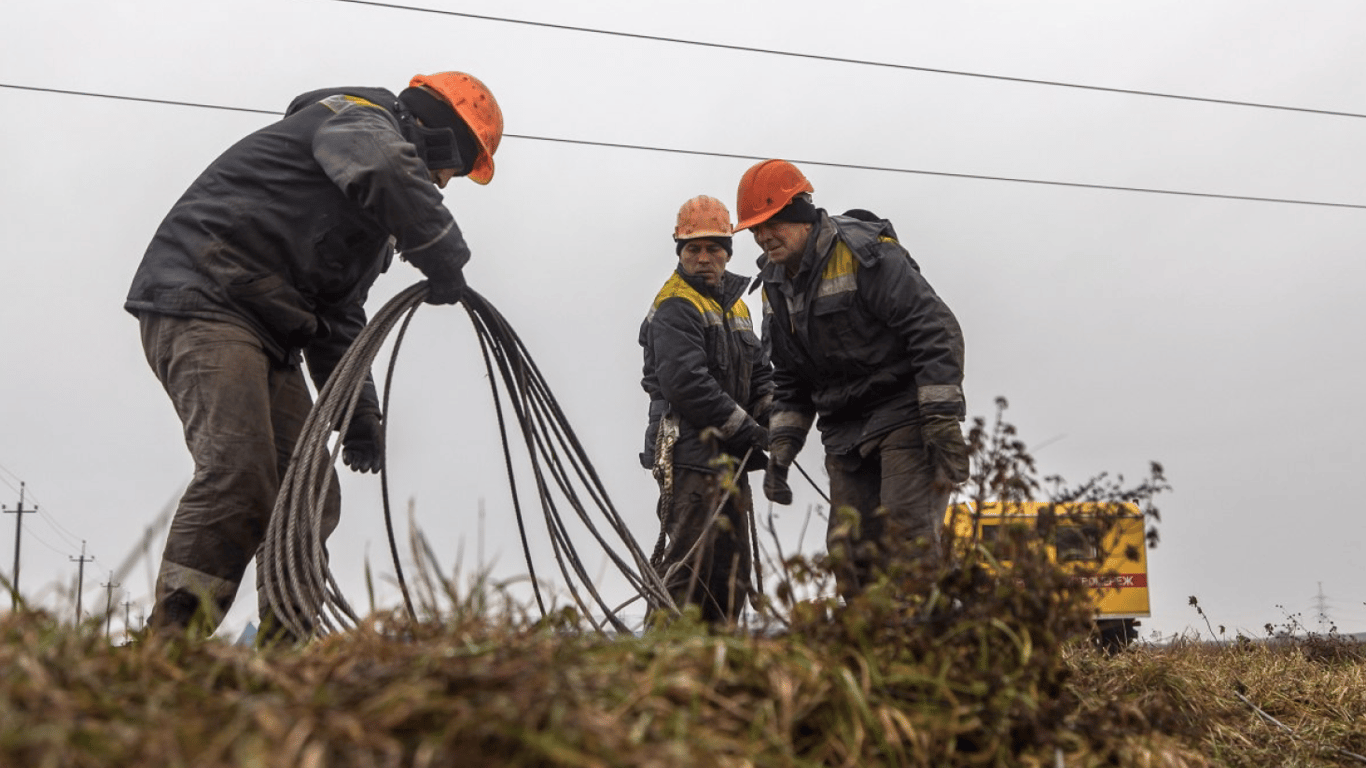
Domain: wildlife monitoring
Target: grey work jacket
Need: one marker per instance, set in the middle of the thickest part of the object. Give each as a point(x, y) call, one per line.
point(287, 230)
point(703, 365)
point(858, 337)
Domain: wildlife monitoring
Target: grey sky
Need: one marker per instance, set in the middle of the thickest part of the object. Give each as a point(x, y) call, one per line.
point(1215, 336)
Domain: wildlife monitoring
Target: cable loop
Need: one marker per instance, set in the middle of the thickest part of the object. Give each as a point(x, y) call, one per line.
point(299, 586)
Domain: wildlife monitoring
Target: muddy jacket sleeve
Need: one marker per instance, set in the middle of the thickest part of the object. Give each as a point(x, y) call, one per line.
point(898, 294)
point(362, 150)
point(792, 411)
point(761, 387)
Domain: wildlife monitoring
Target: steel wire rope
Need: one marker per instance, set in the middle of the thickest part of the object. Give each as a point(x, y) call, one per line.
point(384, 476)
point(545, 402)
point(583, 471)
point(512, 477)
point(500, 355)
point(528, 380)
point(301, 590)
point(518, 381)
point(537, 407)
point(533, 411)
point(297, 595)
point(820, 163)
point(559, 534)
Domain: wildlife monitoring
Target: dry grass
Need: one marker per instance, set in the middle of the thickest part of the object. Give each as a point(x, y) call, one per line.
point(972, 671)
point(980, 665)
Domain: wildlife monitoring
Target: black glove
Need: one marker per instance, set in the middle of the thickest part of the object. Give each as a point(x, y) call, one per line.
point(776, 488)
point(750, 435)
point(447, 290)
point(946, 450)
point(782, 452)
point(363, 445)
point(444, 272)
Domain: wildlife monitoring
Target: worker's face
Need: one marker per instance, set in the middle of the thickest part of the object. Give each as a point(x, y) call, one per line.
point(442, 177)
point(705, 259)
point(782, 241)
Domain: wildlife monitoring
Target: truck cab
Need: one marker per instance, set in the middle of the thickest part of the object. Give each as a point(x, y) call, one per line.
point(1102, 544)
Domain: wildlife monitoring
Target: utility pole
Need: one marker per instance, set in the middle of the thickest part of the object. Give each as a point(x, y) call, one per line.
point(127, 628)
point(108, 604)
point(80, 578)
point(18, 530)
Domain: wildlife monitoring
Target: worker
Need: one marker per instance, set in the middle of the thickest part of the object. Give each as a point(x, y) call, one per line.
point(859, 339)
point(264, 264)
point(710, 387)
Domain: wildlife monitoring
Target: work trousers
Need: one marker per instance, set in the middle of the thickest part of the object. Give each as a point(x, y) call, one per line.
point(890, 484)
point(242, 412)
point(716, 573)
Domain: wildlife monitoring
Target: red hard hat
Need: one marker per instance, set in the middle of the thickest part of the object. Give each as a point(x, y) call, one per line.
point(767, 188)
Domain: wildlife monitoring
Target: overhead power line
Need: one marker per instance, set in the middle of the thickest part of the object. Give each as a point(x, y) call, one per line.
point(170, 102)
point(29, 532)
point(948, 174)
point(43, 511)
point(858, 62)
point(799, 161)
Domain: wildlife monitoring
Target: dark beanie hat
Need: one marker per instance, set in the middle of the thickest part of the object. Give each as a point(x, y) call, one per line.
point(724, 242)
point(799, 210)
point(435, 113)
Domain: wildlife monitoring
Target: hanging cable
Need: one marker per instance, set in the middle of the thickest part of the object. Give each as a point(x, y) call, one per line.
point(301, 590)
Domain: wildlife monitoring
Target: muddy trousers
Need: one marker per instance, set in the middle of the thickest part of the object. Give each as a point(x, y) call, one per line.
point(242, 413)
point(716, 576)
point(889, 483)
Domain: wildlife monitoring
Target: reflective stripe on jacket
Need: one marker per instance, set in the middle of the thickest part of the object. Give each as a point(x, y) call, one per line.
point(703, 363)
point(859, 337)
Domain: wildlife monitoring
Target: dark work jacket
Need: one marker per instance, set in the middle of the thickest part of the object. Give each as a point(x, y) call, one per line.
point(703, 364)
point(858, 337)
point(287, 230)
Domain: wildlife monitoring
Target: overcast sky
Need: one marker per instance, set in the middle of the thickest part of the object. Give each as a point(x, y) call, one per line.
point(1217, 336)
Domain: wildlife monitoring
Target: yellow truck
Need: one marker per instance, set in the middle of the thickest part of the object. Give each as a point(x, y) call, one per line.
point(1104, 545)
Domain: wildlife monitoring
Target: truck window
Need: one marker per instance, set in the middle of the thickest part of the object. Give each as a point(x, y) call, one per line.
point(1077, 543)
point(1004, 540)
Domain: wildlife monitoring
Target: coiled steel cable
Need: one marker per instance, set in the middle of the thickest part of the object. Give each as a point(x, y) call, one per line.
point(299, 586)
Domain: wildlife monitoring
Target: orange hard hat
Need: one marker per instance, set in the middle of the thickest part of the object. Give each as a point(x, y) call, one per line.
point(473, 101)
point(702, 216)
point(767, 188)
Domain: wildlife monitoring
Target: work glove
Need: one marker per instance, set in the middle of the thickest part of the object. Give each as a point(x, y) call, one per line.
point(445, 276)
point(750, 435)
point(449, 289)
point(363, 444)
point(776, 488)
point(782, 452)
point(946, 450)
